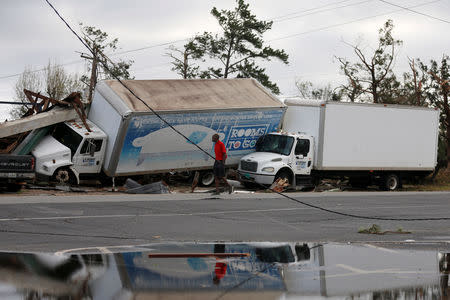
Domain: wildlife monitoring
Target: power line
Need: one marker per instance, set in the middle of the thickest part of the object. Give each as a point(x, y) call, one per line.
point(42, 69)
point(324, 10)
point(349, 22)
point(280, 17)
point(275, 20)
point(150, 47)
point(184, 40)
point(306, 10)
point(207, 153)
point(105, 66)
point(416, 12)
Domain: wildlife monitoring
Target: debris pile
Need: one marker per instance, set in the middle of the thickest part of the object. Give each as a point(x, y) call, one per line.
point(133, 187)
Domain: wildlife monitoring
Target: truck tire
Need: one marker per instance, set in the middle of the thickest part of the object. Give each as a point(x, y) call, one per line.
point(64, 176)
point(207, 178)
point(391, 182)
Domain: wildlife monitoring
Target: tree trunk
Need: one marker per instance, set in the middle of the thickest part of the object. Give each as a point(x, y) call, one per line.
point(448, 140)
point(447, 126)
point(374, 93)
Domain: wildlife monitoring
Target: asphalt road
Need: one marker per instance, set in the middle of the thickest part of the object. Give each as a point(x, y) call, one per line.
point(117, 222)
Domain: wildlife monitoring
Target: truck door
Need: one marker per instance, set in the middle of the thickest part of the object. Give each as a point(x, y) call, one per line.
point(90, 156)
point(303, 156)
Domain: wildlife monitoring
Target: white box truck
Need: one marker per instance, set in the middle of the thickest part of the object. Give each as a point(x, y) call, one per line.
point(366, 143)
point(128, 139)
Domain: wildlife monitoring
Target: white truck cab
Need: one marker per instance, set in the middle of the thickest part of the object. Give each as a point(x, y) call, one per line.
point(278, 155)
point(71, 150)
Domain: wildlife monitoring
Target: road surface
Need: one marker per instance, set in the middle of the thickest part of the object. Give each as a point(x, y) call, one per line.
point(117, 221)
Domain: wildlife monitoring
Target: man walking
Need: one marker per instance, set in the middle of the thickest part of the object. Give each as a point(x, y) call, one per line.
point(219, 164)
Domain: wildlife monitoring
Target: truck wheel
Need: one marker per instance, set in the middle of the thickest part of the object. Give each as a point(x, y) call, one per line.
point(64, 176)
point(391, 182)
point(206, 178)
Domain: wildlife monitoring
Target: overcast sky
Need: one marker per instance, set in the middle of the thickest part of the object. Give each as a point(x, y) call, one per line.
point(311, 32)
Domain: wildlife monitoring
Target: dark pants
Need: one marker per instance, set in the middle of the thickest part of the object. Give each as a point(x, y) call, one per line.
point(219, 169)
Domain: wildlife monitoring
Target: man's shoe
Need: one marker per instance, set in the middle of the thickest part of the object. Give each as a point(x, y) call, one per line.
point(231, 189)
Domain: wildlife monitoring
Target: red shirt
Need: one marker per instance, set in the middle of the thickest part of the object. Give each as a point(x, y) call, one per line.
point(219, 149)
point(220, 269)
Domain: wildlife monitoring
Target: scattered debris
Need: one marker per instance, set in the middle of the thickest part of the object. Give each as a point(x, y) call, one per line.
point(195, 181)
point(279, 185)
point(328, 185)
point(133, 187)
point(62, 188)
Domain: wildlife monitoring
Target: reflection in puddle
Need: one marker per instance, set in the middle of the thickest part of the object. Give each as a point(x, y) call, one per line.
point(229, 271)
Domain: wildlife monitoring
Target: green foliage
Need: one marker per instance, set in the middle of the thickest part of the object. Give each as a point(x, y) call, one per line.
point(372, 73)
point(374, 229)
point(436, 89)
point(99, 42)
point(183, 66)
point(233, 52)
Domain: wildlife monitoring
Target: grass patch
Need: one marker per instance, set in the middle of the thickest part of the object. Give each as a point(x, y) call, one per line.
point(376, 229)
point(440, 183)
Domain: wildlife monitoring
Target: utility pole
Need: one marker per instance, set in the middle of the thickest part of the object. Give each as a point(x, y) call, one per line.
point(93, 81)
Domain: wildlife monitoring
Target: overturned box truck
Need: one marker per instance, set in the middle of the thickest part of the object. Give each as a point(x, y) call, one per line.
point(127, 139)
point(366, 143)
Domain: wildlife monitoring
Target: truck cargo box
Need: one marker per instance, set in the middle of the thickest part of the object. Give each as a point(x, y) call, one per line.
point(139, 142)
point(356, 136)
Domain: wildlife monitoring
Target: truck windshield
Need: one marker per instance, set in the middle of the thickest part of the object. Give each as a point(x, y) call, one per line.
point(67, 137)
point(280, 144)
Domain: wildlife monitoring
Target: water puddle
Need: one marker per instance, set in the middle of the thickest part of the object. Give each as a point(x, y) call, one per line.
point(230, 271)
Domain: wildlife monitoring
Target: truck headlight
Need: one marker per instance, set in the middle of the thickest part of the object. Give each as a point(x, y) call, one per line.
point(268, 169)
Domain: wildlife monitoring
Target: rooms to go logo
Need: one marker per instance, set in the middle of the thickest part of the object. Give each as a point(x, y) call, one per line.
point(244, 137)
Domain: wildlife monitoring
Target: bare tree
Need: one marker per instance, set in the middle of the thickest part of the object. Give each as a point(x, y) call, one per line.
point(373, 71)
point(59, 83)
point(308, 90)
point(53, 81)
point(31, 80)
point(412, 91)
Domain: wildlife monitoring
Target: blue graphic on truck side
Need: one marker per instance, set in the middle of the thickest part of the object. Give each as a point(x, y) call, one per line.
point(150, 144)
point(244, 137)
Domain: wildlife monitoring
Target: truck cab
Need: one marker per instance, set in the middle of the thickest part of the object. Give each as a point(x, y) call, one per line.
point(70, 151)
point(278, 155)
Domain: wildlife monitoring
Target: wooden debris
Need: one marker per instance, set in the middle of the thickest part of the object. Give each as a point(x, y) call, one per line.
point(279, 185)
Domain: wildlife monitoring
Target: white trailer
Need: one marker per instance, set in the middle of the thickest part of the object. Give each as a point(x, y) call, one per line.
point(368, 143)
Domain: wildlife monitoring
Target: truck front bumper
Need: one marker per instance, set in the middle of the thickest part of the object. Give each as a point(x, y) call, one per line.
point(15, 175)
point(257, 178)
